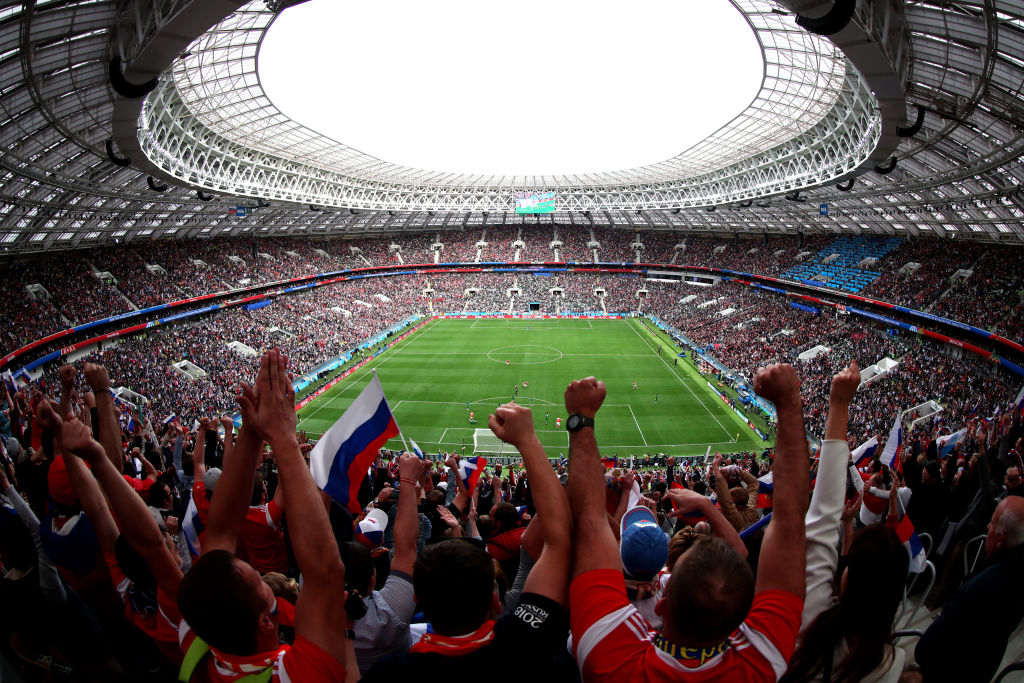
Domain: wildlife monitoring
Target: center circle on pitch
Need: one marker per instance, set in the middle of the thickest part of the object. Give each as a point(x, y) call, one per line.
point(524, 354)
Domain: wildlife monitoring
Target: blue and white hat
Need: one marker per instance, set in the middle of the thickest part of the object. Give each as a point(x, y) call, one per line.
point(643, 546)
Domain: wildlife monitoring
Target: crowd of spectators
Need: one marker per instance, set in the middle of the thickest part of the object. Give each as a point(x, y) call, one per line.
point(616, 245)
point(574, 244)
point(165, 551)
point(989, 298)
point(765, 329)
point(919, 288)
point(491, 293)
point(314, 326)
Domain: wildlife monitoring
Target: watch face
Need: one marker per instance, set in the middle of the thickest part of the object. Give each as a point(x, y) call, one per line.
point(573, 422)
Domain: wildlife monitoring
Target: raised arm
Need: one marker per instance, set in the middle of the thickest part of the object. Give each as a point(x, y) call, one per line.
point(461, 496)
point(823, 516)
point(234, 488)
point(320, 612)
point(109, 430)
point(751, 484)
point(729, 510)
point(513, 424)
point(407, 520)
point(137, 524)
point(88, 491)
point(782, 561)
point(67, 375)
point(199, 450)
point(690, 501)
point(594, 546)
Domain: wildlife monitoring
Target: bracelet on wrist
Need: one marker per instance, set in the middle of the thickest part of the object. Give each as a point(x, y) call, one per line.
point(411, 481)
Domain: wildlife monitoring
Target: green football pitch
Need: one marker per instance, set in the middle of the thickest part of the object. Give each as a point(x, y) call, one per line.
point(431, 376)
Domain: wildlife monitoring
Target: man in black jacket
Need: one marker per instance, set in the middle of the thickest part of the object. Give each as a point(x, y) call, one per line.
point(967, 641)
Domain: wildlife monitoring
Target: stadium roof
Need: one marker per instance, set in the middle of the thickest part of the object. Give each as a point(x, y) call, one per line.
point(487, 89)
point(136, 120)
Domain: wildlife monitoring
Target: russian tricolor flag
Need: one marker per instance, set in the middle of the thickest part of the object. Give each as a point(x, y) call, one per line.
point(1018, 402)
point(864, 452)
point(342, 457)
point(12, 386)
point(192, 526)
point(765, 490)
point(946, 444)
point(893, 445)
point(469, 471)
point(908, 537)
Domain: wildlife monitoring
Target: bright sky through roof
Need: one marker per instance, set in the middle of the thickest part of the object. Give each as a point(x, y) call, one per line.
point(524, 88)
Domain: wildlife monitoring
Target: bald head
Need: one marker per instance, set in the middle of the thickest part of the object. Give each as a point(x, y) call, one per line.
point(1006, 530)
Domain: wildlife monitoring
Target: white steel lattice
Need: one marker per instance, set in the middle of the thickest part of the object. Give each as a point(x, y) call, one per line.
point(211, 125)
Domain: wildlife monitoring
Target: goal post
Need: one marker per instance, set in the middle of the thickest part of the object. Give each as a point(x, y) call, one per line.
point(486, 443)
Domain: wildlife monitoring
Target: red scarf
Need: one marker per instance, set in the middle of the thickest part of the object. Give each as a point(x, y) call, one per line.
point(454, 646)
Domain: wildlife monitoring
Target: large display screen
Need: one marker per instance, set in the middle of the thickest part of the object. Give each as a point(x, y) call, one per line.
point(535, 202)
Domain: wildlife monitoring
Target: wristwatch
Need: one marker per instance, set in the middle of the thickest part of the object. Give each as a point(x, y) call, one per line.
point(576, 422)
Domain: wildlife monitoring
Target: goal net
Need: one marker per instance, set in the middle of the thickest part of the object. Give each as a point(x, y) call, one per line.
point(485, 442)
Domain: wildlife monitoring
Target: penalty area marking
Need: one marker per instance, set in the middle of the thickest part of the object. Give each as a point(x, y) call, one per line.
point(682, 381)
point(637, 423)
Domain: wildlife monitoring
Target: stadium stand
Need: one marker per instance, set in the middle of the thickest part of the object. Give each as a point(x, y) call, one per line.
point(184, 268)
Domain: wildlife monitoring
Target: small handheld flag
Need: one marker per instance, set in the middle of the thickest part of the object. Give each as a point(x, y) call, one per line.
point(417, 451)
point(341, 459)
point(191, 527)
point(908, 536)
point(894, 444)
point(864, 452)
point(946, 444)
point(470, 469)
point(765, 490)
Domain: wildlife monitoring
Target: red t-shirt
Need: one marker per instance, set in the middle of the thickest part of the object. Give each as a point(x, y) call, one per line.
point(301, 661)
point(159, 621)
point(613, 642)
point(261, 541)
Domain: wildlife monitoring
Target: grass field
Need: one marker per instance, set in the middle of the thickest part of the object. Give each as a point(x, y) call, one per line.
point(430, 377)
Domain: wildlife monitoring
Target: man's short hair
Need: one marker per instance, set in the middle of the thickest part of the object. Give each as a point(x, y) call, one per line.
point(219, 605)
point(506, 515)
point(358, 566)
point(709, 594)
point(458, 566)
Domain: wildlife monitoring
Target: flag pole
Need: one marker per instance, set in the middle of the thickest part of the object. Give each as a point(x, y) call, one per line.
point(400, 435)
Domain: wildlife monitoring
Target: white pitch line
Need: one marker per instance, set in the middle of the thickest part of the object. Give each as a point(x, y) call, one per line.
point(528, 353)
point(642, 437)
point(358, 375)
point(681, 380)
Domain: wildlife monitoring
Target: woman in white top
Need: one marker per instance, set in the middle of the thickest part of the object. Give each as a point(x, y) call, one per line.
point(845, 632)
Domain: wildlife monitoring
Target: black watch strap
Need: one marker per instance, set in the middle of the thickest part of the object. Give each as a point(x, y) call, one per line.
point(577, 422)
